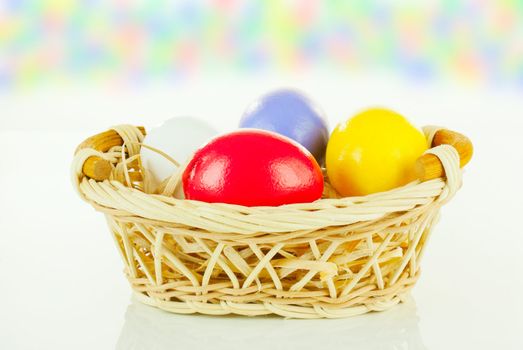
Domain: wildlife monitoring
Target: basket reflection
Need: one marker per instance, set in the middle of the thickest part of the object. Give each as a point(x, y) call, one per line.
point(146, 327)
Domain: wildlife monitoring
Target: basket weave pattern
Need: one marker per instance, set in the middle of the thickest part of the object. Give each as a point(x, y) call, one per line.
point(335, 257)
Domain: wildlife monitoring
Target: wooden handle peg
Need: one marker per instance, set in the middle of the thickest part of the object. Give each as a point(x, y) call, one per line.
point(429, 167)
point(95, 167)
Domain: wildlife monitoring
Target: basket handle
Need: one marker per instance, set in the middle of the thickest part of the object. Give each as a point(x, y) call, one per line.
point(429, 167)
point(95, 167)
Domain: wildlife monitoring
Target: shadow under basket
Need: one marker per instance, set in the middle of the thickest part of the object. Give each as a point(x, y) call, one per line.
point(335, 257)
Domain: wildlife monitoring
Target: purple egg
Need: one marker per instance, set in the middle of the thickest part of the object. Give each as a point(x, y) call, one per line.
point(290, 113)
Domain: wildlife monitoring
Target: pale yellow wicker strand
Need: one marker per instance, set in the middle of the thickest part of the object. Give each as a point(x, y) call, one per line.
point(336, 257)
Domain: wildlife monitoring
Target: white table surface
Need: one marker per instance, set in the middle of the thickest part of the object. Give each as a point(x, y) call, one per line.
point(62, 285)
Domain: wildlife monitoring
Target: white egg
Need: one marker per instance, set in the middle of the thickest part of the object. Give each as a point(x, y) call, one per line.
point(177, 137)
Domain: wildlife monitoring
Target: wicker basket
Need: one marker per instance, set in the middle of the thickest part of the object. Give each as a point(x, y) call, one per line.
point(335, 257)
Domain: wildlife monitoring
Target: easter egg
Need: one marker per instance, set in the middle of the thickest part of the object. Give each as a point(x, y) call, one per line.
point(374, 151)
point(253, 168)
point(292, 114)
point(177, 137)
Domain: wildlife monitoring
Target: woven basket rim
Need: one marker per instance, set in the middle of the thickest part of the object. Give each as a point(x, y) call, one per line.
point(115, 198)
point(435, 185)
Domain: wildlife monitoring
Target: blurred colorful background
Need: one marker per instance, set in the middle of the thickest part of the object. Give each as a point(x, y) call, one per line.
point(136, 43)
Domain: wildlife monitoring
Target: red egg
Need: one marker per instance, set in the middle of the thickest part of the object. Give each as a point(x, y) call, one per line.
point(253, 168)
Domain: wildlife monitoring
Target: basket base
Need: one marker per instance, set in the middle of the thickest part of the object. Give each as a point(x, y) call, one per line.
point(259, 309)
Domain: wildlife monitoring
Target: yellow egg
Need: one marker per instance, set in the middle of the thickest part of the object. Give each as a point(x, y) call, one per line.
point(374, 151)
